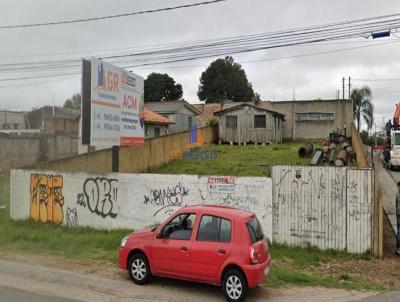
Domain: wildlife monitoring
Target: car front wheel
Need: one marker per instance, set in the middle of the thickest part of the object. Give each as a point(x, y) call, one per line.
point(139, 269)
point(234, 286)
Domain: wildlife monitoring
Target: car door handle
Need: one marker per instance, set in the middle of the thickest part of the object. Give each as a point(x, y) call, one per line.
point(184, 248)
point(221, 251)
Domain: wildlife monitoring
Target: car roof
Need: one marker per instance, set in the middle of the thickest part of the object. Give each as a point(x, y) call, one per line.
point(219, 210)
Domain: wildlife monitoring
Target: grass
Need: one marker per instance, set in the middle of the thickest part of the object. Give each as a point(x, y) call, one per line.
point(49, 239)
point(293, 265)
point(236, 160)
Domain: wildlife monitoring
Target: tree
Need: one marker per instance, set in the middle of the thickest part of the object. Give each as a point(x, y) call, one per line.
point(161, 87)
point(74, 102)
point(362, 106)
point(225, 80)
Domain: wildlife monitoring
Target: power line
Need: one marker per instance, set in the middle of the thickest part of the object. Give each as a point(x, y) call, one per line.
point(217, 47)
point(111, 16)
point(193, 66)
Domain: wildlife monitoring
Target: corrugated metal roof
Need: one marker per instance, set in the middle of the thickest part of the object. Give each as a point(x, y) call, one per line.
point(169, 106)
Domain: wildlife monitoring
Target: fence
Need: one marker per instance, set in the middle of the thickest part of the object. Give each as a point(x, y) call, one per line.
point(327, 207)
point(156, 152)
point(117, 200)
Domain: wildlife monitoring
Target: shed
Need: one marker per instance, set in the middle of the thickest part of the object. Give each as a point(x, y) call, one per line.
point(247, 123)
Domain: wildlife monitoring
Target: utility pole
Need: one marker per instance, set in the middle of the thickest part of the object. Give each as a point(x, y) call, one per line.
point(343, 80)
point(53, 104)
point(294, 93)
point(349, 87)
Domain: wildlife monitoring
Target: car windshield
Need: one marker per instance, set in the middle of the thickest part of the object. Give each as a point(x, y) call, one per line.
point(255, 230)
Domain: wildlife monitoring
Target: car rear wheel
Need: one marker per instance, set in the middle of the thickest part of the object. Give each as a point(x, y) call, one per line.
point(234, 286)
point(139, 269)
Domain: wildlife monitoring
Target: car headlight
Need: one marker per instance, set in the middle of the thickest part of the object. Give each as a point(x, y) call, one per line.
point(123, 241)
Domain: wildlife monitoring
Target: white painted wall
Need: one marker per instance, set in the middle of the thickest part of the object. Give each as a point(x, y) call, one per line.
point(326, 207)
point(135, 200)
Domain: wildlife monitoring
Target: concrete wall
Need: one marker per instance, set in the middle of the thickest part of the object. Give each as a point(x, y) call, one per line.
point(4, 188)
point(326, 207)
point(24, 150)
point(156, 152)
point(295, 129)
point(13, 120)
point(110, 201)
point(358, 147)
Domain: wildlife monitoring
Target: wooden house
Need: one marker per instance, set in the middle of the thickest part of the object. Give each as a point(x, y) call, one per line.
point(248, 123)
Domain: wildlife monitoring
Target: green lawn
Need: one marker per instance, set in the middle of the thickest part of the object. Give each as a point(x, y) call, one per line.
point(236, 160)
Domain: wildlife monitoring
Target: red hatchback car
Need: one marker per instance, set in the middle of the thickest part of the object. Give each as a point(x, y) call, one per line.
point(219, 245)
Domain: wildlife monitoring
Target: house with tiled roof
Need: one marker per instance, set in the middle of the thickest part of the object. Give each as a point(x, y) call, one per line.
point(155, 124)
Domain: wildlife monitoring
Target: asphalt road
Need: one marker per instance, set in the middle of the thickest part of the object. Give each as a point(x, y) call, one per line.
point(17, 280)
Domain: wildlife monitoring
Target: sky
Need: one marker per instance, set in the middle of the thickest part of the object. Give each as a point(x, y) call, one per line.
point(308, 77)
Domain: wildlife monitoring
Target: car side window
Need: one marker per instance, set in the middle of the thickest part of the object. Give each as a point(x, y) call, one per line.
point(179, 228)
point(214, 228)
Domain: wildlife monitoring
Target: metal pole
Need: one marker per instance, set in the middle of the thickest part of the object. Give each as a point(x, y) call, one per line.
point(349, 87)
point(343, 87)
point(53, 104)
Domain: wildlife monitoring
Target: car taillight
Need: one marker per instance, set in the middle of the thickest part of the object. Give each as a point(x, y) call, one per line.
point(253, 256)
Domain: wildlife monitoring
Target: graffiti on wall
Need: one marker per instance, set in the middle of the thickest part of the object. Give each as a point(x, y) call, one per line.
point(46, 198)
point(99, 196)
point(311, 198)
point(168, 199)
point(71, 217)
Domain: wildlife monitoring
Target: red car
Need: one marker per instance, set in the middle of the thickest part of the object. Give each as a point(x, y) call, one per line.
point(219, 245)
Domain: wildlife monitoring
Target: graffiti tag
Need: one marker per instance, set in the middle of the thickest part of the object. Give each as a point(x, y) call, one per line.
point(46, 198)
point(100, 196)
point(167, 197)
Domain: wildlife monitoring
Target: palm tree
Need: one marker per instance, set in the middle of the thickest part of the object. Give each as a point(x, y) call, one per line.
point(362, 106)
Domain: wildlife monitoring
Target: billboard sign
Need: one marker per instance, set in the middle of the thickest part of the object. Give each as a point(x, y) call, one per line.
point(112, 105)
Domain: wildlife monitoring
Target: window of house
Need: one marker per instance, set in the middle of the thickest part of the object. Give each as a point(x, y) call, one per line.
point(214, 228)
point(315, 116)
point(231, 122)
point(190, 121)
point(179, 228)
point(156, 131)
point(146, 130)
point(260, 121)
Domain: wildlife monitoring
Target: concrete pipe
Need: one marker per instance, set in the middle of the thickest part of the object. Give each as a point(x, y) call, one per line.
point(339, 163)
point(332, 146)
point(332, 157)
point(345, 145)
point(342, 154)
point(306, 150)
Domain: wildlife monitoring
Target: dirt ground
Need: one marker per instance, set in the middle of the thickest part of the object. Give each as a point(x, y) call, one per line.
point(384, 271)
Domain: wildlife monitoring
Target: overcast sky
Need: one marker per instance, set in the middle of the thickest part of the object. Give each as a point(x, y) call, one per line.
point(317, 76)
